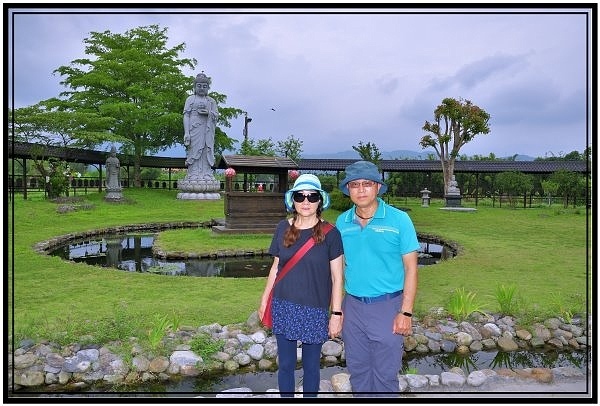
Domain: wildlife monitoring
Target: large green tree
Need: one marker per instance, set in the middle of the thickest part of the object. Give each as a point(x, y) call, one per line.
point(135, 79)
point(456, 122)
point(52, 122)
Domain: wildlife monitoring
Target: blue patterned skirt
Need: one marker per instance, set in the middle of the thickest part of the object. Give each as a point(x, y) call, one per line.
point(300, 322)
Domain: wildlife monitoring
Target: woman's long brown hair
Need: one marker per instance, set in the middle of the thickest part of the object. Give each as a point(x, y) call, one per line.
point(292, 233)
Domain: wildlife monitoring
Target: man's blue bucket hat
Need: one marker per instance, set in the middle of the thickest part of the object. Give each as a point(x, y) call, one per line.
point(362, 170)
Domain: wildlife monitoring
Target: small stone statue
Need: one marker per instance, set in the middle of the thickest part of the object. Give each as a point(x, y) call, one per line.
point(113, 176)
point(453, 187)
point(113, 171)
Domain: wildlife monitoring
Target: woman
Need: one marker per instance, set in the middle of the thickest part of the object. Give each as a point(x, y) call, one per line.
point(303, 298)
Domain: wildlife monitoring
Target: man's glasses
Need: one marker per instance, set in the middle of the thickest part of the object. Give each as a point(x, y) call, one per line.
point(312, 197)
point(367, 184)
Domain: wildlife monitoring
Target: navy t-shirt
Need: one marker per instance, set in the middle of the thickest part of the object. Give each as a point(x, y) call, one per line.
point(309, 281)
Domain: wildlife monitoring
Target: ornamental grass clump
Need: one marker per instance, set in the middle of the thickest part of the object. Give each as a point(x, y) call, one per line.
point(505, 295)
point(462, 304)
point(158, 331)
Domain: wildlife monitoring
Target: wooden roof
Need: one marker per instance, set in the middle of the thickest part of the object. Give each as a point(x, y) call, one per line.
point(415, 165)
point(256, 164)
point(269, 164)
point(90, 157)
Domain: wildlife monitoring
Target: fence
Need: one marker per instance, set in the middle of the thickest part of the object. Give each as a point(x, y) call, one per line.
point(83, 184)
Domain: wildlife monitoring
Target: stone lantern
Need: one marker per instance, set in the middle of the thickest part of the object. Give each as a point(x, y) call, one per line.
point(425, 197)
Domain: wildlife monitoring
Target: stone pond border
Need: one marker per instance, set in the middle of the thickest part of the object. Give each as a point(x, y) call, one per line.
point(248, 347)
point(44, 247)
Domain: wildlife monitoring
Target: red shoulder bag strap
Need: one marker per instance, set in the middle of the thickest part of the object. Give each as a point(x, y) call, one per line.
point(327, 227)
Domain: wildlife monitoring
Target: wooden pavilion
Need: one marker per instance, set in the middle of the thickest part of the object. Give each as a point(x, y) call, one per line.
point(251, 212)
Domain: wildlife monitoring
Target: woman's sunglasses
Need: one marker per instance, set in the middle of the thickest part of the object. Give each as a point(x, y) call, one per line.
point(312, 197)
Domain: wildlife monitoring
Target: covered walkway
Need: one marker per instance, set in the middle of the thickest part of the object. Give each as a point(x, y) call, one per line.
point(23, 151)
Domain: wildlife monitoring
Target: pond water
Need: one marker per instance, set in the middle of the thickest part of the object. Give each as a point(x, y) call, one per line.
point(422, 365)
point(133, 253)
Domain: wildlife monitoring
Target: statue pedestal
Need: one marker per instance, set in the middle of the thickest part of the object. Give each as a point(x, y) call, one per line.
point(113, 195)
point(199, 189)
point(453, 200)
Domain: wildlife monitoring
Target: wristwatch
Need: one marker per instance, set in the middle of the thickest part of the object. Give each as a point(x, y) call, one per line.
point(407, 314)
point(336, 313)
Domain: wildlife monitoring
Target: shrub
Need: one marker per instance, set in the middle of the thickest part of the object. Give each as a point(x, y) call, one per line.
point(339, 201)
point(205, 346)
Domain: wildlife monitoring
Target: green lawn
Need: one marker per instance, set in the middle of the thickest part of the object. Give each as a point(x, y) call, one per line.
point(542, 251)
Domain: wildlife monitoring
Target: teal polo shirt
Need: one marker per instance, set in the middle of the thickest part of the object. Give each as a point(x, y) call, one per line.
point(373, 254)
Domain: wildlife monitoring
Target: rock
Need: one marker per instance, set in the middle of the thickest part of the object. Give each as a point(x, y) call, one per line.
point(182, 358)
point(24, 361)
point(332, 348)
point(231, 365)
point(29, 378)
point(524, 335)
point(507, 344)
point(452, 379)
point(476, 378)
point(416, 381)
point(463, 339)
point(493, 329)
point(158, 364)
point(341, 382)
point(140, 363)
point(265, 364)
point(255, 352)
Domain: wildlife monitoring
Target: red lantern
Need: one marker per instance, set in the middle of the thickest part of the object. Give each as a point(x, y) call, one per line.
point(293, 174)
point(230, 172)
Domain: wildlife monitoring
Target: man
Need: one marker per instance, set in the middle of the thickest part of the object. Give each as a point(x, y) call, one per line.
point(380, 250)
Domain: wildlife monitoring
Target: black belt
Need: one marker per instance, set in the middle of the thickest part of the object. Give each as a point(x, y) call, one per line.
point(374, 299)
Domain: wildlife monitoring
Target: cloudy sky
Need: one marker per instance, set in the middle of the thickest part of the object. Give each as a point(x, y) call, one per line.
point(370, 75)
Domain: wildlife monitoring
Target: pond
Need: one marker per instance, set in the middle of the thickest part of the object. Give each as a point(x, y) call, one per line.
point(422, 365)
point(133, 253)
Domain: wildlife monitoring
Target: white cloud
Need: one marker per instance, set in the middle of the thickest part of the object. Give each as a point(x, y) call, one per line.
point(340, 78)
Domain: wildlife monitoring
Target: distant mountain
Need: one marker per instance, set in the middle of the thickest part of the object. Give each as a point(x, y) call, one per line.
point(333, 155)
point(397, 154)
point(524, 158)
